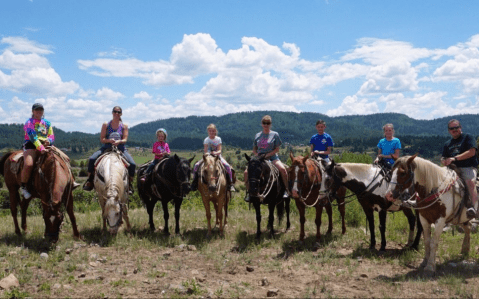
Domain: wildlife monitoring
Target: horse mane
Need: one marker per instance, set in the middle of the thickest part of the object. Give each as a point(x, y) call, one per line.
point(3, 160)
point(115, 186)
point(426, 173)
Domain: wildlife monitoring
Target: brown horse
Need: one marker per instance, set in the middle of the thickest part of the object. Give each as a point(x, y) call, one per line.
point(305, 174)
point(213, 187)
point(52, 181)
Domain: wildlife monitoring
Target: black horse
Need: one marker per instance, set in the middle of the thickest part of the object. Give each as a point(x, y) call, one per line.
point(170, 180)
point(266, 187)
point(369, 183)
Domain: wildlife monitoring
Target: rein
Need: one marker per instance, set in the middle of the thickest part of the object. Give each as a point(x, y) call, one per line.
point(273, 175)
point(303, 199)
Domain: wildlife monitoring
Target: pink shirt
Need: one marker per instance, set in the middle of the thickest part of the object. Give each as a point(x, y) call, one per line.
point(160, 148)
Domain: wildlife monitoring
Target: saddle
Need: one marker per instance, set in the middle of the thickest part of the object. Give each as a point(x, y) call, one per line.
point(109, 151)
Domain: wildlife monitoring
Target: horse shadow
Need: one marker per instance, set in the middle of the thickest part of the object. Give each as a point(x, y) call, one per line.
point(245, 240)
point(292, 247)
point(98, 236)
point(34, 243)
point(461, 269)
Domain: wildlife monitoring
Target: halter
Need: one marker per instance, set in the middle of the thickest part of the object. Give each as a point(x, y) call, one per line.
point(273, 175)
point(303, 199)
point(120, 218)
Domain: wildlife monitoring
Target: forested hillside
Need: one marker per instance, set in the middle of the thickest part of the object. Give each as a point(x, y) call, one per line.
point(237, 130)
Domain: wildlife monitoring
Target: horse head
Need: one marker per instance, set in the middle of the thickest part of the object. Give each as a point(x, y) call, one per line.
point(402, 177)
point(113, 213)
point(333, 176)
point(298, 175)
point(210, 172)
point(256, 173)
point(183, 174)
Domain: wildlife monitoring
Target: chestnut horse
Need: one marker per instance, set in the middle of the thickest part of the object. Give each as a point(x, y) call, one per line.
point(438, 196)
point(52, 181)
point(213, 187)
point(305, 175)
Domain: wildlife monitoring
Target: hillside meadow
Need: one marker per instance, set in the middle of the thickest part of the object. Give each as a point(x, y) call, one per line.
point(145, 264)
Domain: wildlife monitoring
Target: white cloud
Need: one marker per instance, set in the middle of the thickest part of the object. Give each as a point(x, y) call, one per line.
point(108, 95)
point(352, 105)
point(142, 95)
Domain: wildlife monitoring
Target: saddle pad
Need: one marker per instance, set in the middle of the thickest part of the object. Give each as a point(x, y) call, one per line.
point(16, 157)
point(123, 159)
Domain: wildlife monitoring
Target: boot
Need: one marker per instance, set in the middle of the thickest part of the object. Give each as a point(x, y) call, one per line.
point(25, 192)
point(194, 184)
point(130, 186)
point(88, 186)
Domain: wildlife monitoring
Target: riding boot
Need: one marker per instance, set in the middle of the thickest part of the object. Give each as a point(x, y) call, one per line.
point(24, 191)
point(130, 186)
point(194, 184)
point(88, 186)
point(230, 184)
point(246, 198)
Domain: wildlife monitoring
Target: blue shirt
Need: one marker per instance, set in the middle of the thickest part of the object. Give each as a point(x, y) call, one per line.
point(321, 143)
point(388, 147)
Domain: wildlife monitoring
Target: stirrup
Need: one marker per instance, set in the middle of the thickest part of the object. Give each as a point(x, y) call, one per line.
point(471, 213)
point(88, 186)
point(247, 198)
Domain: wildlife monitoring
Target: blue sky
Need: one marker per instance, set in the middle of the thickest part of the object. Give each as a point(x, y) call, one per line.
point(162, 59)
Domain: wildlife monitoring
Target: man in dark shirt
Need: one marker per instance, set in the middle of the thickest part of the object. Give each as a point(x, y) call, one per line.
point(461, 150)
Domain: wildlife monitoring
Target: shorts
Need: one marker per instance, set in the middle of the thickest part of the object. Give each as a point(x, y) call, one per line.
point(468, 173)
point(29, 145)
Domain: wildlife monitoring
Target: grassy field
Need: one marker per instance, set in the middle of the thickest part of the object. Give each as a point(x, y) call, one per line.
point(145, 264)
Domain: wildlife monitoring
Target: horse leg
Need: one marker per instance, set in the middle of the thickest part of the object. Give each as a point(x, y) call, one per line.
point(126, 218)
point(302, 219)
point(287, 207)
point(329, 210)
point(166, 216)
point(466, 243)
point(69, 208)
point(319, 213)
point(219, 215)
point(206, 203)
point(177, 215)
point(257, 208)
point(271, 218)
point(342, 208)
point(411, 219)
point(415, 244)
point(217, 222)
point(24, 205)
point(431, 264)
point(370, 219)
point(150, 206)
point(14, 200)
point(225, 206)
point(427, 241)
point(382, 228)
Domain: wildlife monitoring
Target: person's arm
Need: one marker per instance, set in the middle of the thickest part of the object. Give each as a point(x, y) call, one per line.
point(255, 150)
point(272, 153)
point(205, 148)
point(125, 135)
point(379, 156)
point(50, 136)
point(326, 152)
point(218, 150)
point(167, 148)
point(103, 134)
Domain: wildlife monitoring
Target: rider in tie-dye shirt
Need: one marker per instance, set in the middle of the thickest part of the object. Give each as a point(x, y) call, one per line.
point(38, 134)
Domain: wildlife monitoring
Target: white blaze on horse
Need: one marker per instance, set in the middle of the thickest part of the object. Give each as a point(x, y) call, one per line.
point(111, 184)
point(213, 187)
point(438, 196)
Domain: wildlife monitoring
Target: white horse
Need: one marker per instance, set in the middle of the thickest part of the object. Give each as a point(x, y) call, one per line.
point(438, 197)
point(111, 184)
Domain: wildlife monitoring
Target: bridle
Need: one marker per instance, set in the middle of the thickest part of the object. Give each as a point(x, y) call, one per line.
point(307, 180)
point(273, 176)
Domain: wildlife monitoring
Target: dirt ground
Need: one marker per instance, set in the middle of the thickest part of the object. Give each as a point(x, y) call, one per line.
point(182, 271)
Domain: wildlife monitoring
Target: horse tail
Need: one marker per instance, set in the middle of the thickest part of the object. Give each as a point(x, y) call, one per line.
point(2, 162)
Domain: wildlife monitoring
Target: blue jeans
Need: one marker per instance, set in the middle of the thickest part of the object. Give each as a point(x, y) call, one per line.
point(152, 165)
point(92, 159)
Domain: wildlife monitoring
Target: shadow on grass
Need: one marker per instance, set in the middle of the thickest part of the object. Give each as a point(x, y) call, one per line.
point(35, 242)
point(292, 247)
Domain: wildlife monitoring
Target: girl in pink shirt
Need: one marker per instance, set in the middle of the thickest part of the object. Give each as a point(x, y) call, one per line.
point(160, 149)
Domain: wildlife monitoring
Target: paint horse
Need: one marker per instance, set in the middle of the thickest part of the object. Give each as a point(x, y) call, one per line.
point(266, 187)
point(438, 196)
point(169, 181)
point(52, 181)
point(305, 175)
point(111, 185)
point(213, 187)
point(369, 183)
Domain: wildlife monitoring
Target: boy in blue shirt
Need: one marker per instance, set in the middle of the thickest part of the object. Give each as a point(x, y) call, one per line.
point(321, 143)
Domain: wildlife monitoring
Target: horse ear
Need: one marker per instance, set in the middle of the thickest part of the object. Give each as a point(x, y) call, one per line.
point(247, 157)
point(191, 159)
point(411, 159)
point(291, 155)
point(176, 157)
point(204, 157)
point(304, 159)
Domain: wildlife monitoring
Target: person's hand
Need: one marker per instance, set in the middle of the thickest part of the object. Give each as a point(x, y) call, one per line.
point(116, 142)
point(46, 143)
point(448, 161)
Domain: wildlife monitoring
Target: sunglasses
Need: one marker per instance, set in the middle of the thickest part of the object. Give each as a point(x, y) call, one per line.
point(454, 128)
point(116, 111)
point(38, 109)
point(266, 123)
